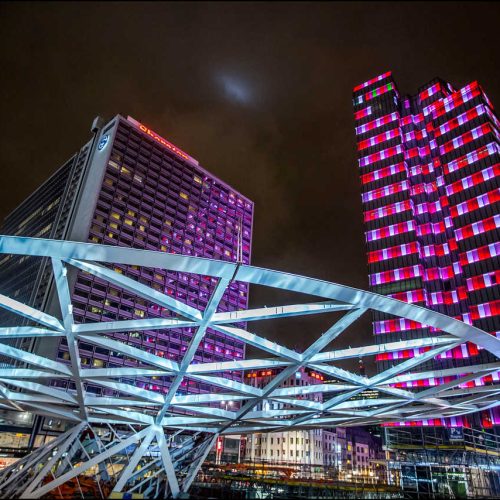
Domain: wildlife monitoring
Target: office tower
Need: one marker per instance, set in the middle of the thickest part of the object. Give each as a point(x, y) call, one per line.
point(129, 186)
point(429, 169)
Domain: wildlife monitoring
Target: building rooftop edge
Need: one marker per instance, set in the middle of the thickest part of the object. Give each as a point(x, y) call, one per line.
point(197, 165)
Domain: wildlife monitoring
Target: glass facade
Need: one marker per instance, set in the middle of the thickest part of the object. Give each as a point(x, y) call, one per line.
point(138, 190)
point(46, 213)
point(429, 169)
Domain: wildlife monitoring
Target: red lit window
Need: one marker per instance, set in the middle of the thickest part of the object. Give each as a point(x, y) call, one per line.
point(412, 119)
point(379, 122)
point(483, 281)
point(392, 252)
point(394, 208)
point(378, 139)
point(435, 273)
point(383, 172)
point(470, 158)
point(387, 231)
point(381, 155)
point(485, 310)
point(474, 179)
point(455, 122)
point(481, 253)
point(378, 91)
point(429, 92)
point(478, 228)
point(397, 187)
point(395, 325)
point(395, 275)
point(465, 138)
point(458, 98)
point(362, 113)
point(412, 297)
point(475, 203)
point(373, 80)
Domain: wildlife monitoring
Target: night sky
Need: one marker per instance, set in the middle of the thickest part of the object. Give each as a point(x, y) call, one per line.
point(259, 93)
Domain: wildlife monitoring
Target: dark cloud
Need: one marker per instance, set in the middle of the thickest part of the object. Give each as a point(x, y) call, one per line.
point(260, 93)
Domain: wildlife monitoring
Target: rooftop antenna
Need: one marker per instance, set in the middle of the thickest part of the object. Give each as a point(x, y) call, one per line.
point(239, 250)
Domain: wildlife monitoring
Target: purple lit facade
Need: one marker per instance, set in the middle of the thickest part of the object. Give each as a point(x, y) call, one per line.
point(133, 188)
point(430, 177)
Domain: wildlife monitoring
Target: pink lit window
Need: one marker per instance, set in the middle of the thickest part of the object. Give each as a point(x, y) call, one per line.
point(386, 232)
point(383, 172)
point(378, 139)
point(478, 228)
point(471, 158)
point(381, 155)
point(482, 253)
point(465, 138)
point(397, 187)
point(394, 208)
point(379, 122)
point(373, 80)
point(483, 281)
point(475, 203)
point(363, 113)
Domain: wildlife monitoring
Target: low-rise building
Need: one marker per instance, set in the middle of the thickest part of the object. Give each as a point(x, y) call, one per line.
point(298, 446)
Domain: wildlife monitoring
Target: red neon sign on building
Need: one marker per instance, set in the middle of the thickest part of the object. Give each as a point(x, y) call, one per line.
point(161, 140)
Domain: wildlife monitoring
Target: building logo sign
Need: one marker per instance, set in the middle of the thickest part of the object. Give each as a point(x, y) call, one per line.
point(456, 434)
point(103, 142)
point(161, 140)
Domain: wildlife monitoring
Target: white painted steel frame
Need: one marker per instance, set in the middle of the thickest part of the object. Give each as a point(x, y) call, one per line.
point(149, 415)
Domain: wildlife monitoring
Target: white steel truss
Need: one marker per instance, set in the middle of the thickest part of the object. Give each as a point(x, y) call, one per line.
point(130, 440)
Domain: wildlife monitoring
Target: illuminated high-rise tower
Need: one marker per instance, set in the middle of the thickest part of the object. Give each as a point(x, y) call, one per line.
point(128, 186)
point(430, 175)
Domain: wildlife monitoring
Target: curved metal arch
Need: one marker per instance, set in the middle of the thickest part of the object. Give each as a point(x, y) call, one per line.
point(76, 251)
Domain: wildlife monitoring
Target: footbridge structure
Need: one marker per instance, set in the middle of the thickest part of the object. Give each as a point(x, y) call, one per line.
point(137, 440)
